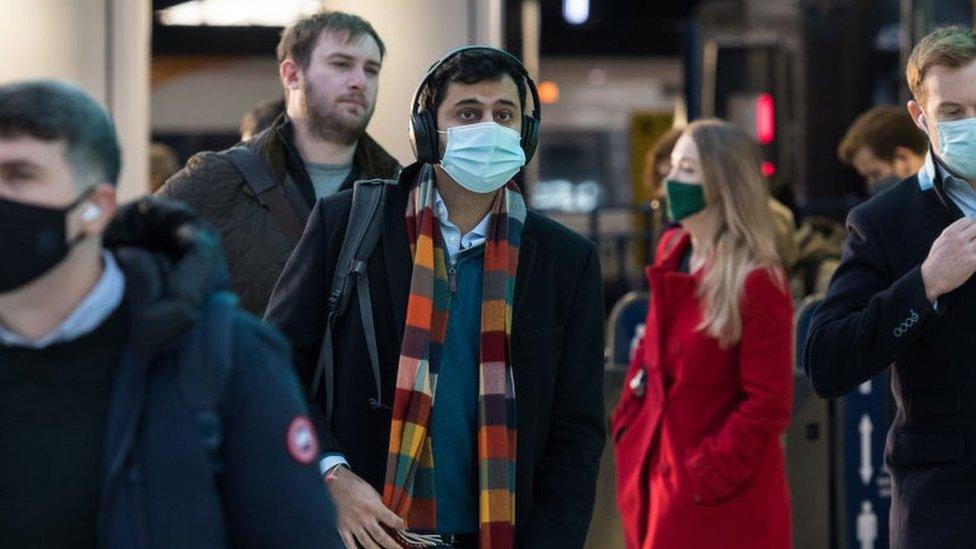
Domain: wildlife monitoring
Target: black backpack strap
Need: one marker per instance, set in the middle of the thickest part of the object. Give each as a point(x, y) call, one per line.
point(362, 234)
point(269, 192)
point(205, 365)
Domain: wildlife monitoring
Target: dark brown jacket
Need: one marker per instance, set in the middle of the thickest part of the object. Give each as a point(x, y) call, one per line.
point(256, 246)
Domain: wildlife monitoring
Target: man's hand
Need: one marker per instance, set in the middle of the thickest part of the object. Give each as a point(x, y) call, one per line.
point(361, 512)
point(951, 260)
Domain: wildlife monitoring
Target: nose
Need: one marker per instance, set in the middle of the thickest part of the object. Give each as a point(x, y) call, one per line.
point(357, 78)
point(671, 173)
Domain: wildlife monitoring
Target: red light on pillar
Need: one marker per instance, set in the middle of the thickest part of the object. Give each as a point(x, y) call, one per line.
point(768, 169)
point(765, 119)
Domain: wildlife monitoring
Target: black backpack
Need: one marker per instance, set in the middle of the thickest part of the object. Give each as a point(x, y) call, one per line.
point(362, 235)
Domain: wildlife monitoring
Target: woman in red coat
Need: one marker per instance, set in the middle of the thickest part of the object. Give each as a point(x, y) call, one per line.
point(709, 391)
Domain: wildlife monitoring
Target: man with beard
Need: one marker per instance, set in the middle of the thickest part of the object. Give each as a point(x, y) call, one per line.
point(329, 67)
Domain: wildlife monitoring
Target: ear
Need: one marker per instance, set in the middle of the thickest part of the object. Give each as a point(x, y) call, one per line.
point(290, 74)
point(904, 153)
point(915, 110)
point(907, 161)
point(95, 213)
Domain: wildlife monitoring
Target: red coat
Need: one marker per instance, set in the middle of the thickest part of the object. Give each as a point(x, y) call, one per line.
point(699, 459)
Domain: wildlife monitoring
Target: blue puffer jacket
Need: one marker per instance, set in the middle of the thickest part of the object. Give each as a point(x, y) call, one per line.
point(190, 470)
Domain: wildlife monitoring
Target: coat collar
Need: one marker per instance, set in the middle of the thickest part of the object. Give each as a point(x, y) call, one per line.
point(670, 262)
point(931, 180)
point(276, 145)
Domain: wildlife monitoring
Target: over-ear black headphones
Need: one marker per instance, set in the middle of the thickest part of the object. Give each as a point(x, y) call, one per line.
point(423, 124)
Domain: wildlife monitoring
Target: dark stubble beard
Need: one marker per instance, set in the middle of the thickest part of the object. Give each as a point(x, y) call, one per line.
point(328, 124)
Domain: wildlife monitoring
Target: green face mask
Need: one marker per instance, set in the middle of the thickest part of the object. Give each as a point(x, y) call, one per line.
point(684, 199)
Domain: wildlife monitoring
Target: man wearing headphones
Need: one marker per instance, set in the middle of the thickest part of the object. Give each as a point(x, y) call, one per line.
point(482, 423)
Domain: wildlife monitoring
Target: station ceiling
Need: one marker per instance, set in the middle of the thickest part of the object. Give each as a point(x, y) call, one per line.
point(615, 28)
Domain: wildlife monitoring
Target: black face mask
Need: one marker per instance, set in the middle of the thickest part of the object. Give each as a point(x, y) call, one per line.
point(33, 240)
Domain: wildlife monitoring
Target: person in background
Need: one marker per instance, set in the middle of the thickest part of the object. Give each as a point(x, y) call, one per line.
point(657, 163)
point(329, 65)
point(261, 117)
point(709, 392)
point(162, 165)
point(139, 406)
point(884, 146)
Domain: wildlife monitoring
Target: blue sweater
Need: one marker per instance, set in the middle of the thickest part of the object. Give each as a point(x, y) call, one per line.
point(454, 421)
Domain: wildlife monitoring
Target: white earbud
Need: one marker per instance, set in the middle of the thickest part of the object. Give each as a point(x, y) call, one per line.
point(90, 213)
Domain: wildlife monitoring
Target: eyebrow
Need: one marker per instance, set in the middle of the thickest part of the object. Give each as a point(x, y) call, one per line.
point(18, 163)
point(473, 101)
point(347, 57)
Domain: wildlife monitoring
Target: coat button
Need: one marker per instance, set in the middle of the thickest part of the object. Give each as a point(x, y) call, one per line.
point(132, 474)
point(696, 497)
point(665, 470)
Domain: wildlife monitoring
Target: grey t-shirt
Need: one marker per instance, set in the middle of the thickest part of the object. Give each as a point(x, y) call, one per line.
point(327, 178)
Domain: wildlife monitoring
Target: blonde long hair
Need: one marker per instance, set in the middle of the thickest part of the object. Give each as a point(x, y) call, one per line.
point(744, 235)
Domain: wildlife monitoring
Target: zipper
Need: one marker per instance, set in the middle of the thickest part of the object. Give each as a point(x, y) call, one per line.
point(452, 276)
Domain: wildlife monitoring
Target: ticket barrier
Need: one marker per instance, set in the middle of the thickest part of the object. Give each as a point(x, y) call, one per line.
point(840, 489)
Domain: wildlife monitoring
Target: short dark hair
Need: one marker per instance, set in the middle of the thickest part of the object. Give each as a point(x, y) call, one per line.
point(881, 129)
point(55, 111)
point(298, 41)
point(470, 67)
point(261, 116)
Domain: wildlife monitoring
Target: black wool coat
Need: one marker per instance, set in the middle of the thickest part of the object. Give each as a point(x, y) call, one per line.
point(557, 355)
point(876, 314)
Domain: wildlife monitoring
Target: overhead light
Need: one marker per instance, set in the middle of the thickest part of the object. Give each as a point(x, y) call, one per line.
point(233, 13)
point(576, 12)
point(548, 92)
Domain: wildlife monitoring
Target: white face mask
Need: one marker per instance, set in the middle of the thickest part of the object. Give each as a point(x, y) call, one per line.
point(957, 146)
point(482, 157)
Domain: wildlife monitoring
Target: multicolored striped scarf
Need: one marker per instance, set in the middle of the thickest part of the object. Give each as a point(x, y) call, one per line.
point(409, 487)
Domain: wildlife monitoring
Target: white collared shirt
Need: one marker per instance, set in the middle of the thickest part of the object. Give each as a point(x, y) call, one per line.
point(104, 297)
point(959, 190)
point(454, 241)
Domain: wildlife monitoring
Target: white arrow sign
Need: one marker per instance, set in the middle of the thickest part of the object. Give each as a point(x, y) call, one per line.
point(865, 427)
point(635, 341)
point(867, 526)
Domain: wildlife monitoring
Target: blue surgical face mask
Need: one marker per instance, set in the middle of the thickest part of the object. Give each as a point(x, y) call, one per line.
point(957, 146)
point(482, 157)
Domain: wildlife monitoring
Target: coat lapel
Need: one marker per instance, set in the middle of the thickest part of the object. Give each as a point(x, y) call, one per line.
point(662, 279)
point(124, 413)
point(396, 249)
point(523, 273)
